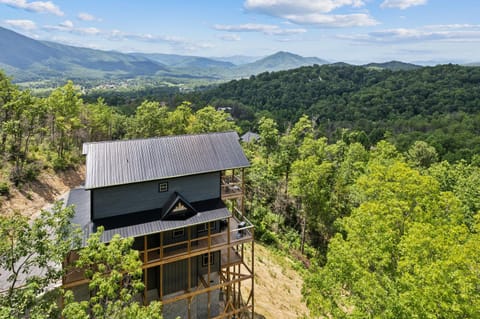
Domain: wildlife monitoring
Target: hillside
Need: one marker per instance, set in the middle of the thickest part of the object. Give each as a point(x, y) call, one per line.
point(438, 104)
point(394, 66)
point(28, 59)
point(276, 62)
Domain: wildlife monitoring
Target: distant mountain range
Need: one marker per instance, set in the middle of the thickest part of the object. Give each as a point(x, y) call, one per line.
point(27, 59)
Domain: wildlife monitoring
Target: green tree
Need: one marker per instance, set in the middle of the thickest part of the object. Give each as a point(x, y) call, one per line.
point(422, 155)
point(115, 274)
point(64, 106)
point(269, 136)
point(180, 118)
point(404, 252)
point(30, 255)
point(150, 120)
point(208, 119)
point(26, 119)
point(102, 122)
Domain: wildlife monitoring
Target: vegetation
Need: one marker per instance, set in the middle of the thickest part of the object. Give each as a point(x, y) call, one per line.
point(370, 178)
point(385, 234)
point(439, 105)
point(115, 273)
point(30, 255)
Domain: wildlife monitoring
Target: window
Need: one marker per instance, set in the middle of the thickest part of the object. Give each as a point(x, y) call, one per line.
point(205, 260)
point(203, 227)
point(177, 233)
point(163, 187)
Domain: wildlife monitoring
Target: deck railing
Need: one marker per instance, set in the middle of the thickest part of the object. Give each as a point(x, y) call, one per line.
point(231, 186)
point(240, 231)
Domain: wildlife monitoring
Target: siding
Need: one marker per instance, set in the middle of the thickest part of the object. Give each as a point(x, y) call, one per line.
point(124, 199)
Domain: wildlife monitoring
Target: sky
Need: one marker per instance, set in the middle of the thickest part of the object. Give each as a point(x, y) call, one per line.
point(353, 31)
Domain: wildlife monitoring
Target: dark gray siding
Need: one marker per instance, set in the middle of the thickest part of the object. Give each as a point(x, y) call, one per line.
point(175, 276)
point(124, 199)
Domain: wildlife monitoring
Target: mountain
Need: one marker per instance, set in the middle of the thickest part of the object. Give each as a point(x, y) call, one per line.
point(393, 66)
point(29, 59)
point(277, 62)
point(184, 61)
point(237, 59)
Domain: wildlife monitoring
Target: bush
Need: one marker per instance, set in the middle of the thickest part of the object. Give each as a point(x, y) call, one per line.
point(4, 189)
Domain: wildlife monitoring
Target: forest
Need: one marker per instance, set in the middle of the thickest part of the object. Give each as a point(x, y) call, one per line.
point(371, 179)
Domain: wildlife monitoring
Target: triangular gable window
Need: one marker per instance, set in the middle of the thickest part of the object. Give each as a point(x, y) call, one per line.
point(177, 208)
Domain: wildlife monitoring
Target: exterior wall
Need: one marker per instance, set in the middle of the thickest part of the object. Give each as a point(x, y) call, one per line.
point(175, 276)
point(131, 198)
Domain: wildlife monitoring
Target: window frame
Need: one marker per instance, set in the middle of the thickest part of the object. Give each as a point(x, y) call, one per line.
point(205, 259)
point(180, 234)
point(163, 187)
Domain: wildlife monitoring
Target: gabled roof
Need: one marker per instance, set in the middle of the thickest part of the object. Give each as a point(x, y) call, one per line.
point(177, 208)
point(250, 137)
point(132, 161)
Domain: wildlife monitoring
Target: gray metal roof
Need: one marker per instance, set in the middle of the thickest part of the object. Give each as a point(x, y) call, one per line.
point(250, 137)
point(132, 161)
point(80, 197)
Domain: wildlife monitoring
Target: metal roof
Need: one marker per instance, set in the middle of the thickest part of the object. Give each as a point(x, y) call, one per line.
point(207, 211)
point(132, 161)
point(250, 137)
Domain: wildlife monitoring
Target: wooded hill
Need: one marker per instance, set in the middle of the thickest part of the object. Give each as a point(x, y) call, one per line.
point(438, 104)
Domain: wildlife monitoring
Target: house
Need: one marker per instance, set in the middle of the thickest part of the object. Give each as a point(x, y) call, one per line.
point(181, 199)
point(250, 137)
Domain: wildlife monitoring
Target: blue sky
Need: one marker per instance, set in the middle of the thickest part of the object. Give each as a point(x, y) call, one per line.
point(355, 31)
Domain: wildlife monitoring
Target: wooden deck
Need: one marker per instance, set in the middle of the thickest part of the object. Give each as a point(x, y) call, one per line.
point(238, 233)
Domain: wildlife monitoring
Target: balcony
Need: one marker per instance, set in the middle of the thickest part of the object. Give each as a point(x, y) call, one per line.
point(231, 186)
point(238, 230)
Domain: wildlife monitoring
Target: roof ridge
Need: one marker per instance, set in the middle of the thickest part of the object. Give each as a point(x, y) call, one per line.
point(158, 137)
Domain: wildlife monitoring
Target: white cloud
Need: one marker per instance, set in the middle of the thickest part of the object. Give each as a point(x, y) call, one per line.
point(87, 17)
point(402, 4)
point(68, 26)
point(268, 29)
point(333, 20)
point(176, 42)
point(282, 7)
point(22, 24)
point(35, 6)
point(452, 33)
point(313, 12)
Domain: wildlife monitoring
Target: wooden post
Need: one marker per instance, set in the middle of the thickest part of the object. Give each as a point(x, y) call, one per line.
point(253, 277)
point(208, 271)
point(242, 207)
point(145, 271)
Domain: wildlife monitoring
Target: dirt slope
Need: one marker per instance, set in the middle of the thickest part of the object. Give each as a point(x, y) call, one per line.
point(32, 197)
point(277, 286)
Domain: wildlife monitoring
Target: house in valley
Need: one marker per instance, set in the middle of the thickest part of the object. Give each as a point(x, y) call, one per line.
point(181, 199)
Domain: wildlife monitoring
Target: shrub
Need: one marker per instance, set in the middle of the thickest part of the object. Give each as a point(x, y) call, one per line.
point(4, 189)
